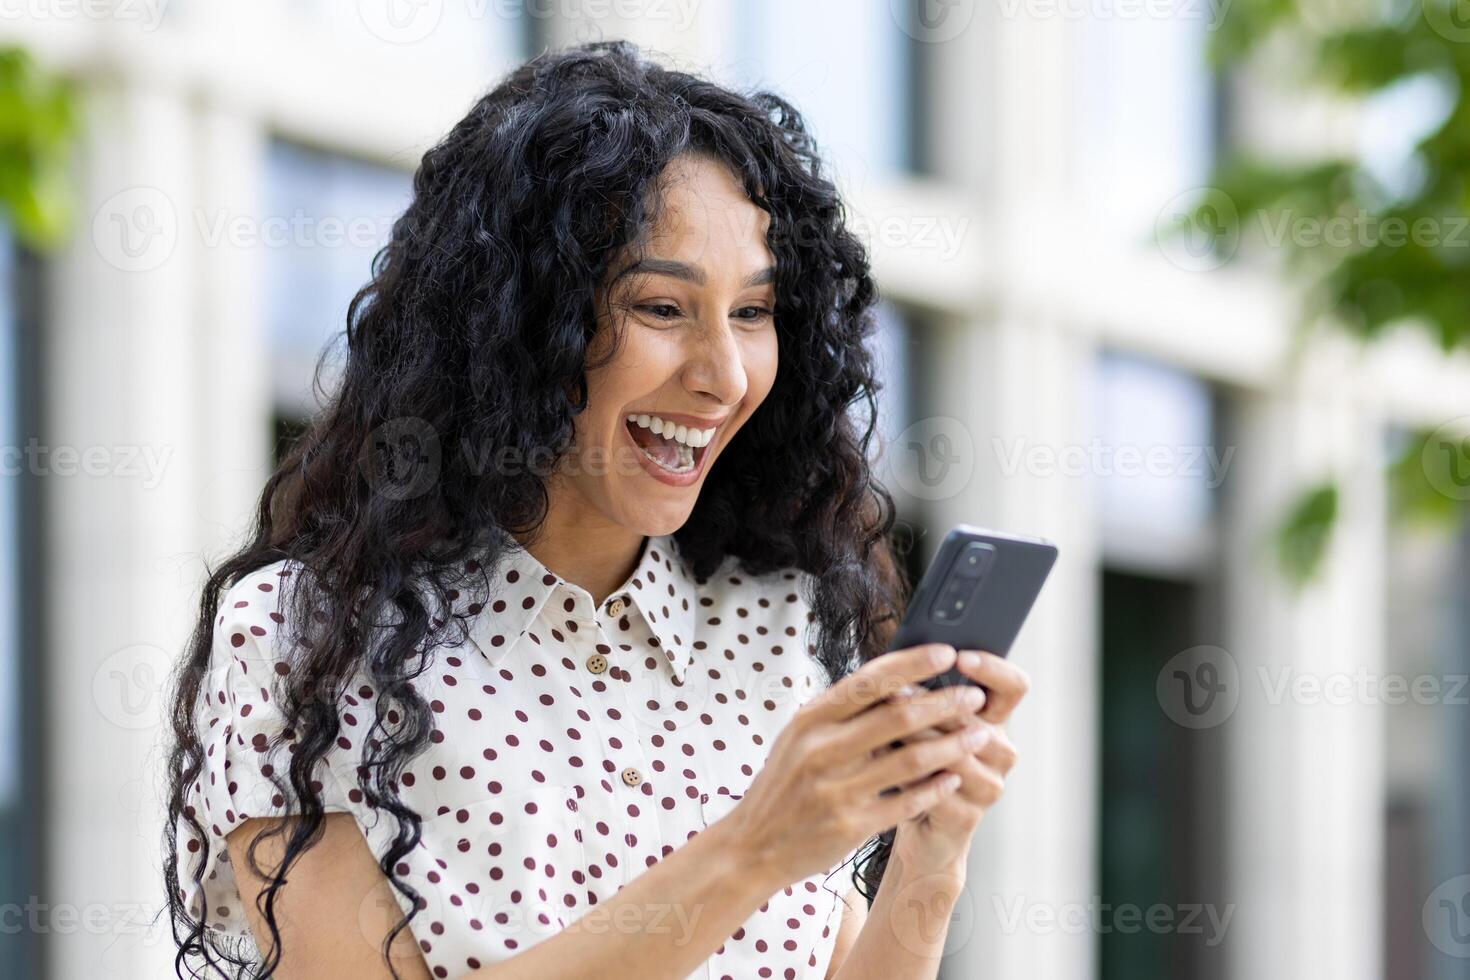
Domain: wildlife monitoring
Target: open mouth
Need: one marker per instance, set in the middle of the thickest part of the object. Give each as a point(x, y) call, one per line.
point(676, 448)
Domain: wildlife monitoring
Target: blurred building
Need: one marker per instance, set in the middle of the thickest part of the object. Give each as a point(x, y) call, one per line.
point(1185, 805)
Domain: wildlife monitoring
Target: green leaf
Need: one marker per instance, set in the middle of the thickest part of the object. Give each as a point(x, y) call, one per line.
point(38, 122)
point(1429, 481)
point(1301, 541)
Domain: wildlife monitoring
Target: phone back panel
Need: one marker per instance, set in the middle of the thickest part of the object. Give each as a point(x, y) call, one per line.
point(993, 616)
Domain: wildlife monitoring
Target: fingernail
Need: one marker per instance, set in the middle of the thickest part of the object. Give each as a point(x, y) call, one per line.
point(975, 737)
point(969, 658)
point(973, 698)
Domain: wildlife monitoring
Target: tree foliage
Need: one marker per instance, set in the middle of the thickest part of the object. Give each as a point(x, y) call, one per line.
point(37, 123)
point(1401, 252)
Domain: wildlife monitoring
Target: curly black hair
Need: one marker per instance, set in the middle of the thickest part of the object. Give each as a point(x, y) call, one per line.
point(476, 325)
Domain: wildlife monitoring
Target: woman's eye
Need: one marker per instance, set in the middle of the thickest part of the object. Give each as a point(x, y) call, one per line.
point(668, 311)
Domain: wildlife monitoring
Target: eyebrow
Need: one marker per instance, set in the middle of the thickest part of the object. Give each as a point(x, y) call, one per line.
point(691, 273)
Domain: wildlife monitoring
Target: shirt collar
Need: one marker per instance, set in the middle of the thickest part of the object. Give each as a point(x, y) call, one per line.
point(661, 588)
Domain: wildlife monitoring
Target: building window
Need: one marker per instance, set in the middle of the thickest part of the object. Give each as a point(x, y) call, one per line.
point(1156, 463)
point(1147, 115)
point(892, 452)
point(1426, 932)
point(1154, 459)
point(339, 212)
point(848, 68)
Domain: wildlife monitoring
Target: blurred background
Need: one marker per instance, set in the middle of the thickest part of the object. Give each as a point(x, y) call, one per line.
point(1178, 284)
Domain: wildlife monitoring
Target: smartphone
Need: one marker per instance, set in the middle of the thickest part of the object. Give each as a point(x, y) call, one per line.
point(975, 595)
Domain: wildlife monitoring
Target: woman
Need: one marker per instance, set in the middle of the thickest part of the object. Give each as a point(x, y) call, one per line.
point(556, 647)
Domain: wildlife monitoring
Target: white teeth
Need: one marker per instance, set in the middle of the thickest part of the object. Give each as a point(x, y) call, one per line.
point(686, 460)
point(693, 438)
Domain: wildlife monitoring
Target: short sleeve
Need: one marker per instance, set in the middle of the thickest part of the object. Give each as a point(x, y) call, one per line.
point(793, 594)
point(240, 726)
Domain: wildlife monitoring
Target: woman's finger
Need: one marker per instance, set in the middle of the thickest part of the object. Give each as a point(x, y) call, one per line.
point(998, 752)
point(981, 782)
point(876, 680)
point(1006, 683)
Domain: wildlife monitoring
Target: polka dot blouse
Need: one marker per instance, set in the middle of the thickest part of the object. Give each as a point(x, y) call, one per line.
point(574, 747)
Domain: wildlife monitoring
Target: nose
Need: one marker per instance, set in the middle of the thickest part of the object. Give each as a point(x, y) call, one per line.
point(715, 367)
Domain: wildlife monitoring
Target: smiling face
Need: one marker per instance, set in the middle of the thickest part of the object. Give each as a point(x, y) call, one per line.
point(698, 354)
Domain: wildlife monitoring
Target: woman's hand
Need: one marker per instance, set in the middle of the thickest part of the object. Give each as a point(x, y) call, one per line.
point(938, 839)
point(820, 795)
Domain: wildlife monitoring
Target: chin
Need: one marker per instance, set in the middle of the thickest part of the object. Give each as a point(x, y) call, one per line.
point(655, 521)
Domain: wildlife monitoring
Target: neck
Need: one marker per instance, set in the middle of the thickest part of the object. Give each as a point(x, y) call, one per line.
point(597, 555)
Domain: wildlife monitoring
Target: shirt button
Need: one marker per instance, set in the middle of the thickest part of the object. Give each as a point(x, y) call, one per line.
point(632, 777)
point(597, 663)
point(616, 607)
